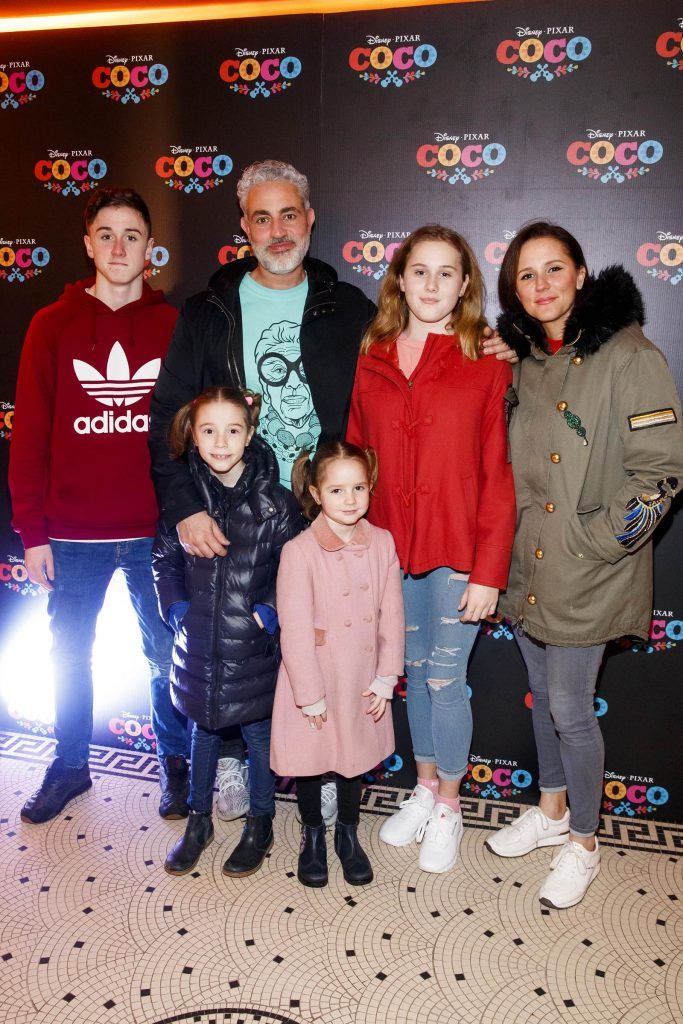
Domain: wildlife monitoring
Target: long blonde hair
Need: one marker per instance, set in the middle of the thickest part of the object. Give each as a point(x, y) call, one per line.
point(467, 321)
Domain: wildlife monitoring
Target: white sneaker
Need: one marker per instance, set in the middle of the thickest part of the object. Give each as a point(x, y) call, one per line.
point(441, 842)
point(528, 832)
point(572, 870)
point(403, 826)
point(232, 779)
point(328, 802)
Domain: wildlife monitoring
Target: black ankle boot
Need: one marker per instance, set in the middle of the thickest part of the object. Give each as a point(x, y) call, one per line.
point(354, 860)
point(60, 784)
point(250, 852)
point(174, 780)
point(187, 851)
point(312, 870)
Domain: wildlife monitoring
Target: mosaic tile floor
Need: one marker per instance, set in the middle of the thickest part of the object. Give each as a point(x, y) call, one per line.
point(93, 931)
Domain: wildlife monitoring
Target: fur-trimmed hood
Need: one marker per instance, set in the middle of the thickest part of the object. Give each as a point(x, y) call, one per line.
point(612, 301)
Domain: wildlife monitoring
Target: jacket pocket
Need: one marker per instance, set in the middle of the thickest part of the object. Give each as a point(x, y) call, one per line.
point(320, 637)
point(577, 541)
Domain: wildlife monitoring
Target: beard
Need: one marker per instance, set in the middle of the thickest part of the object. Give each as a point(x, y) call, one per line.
point(282, 262)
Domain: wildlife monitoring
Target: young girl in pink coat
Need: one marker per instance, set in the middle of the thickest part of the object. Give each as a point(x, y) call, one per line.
point(342, 636)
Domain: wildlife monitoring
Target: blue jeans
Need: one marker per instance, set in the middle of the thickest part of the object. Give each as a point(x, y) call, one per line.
point(206, 748)
point(438, 647)
point(571, 751)
point(82, 575)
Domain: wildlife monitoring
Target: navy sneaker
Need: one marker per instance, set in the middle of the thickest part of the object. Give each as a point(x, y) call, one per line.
point(60, 784)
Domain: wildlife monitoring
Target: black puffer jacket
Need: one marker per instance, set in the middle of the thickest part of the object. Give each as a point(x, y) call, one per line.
point(224, 664)
point(207, 349)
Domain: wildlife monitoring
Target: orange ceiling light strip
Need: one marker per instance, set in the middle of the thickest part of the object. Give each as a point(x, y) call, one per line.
point(197, 12)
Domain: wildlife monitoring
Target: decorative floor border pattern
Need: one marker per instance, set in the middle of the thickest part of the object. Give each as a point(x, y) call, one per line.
point(644, 835)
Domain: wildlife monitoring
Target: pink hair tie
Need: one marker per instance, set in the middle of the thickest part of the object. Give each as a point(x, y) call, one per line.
point(248, 399)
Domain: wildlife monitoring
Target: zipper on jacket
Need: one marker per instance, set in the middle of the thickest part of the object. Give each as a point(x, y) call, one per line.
point(230, 355)
point(216, 617)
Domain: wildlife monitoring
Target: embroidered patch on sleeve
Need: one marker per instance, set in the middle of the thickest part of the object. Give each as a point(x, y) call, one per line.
point(655, 418)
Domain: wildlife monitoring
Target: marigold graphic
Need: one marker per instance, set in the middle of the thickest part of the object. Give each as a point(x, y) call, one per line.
point(118, 387)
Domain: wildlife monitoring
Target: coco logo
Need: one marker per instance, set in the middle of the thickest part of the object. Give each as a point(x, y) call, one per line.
point(129, 79)
point(614, 156)
point(14, 576)
point(669, 45)
point(19, 84)
point(21, 260)
point(663, 258)
point(193, 170)
point(132, 732)
point(70, 173)
point(238, 250)
point(632, 795)
point(468, 158)
point(394, 61)
point(495, 252)
point(6, 420)
point(543, 55)
point(158, 259)
point(254, 73)
point(495, 779)
point(370, 253)
point(600, 705)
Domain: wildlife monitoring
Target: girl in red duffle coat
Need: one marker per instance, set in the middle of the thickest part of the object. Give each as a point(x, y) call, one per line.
point(434, 411)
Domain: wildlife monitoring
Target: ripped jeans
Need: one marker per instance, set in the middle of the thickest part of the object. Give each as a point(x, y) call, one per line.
point(438, 647)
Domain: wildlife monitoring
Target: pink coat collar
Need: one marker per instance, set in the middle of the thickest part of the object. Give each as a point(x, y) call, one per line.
point(328, 539)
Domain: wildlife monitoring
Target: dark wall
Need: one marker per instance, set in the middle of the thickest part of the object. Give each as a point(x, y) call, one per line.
point(481, 116)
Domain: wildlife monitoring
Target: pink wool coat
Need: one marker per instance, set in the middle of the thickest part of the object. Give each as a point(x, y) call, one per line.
point(341, 616)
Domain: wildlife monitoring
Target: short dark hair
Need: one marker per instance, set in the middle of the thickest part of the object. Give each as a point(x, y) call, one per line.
point(104, 197)
point(507, 281)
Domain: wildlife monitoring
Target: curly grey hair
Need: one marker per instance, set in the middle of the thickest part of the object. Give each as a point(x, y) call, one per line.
point(272, 170)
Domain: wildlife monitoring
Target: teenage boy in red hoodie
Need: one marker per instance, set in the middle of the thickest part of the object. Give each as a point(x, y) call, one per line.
point(82, 495)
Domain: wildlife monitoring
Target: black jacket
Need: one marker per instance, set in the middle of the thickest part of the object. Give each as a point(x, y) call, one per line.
point(224, 665)
point(207, 350)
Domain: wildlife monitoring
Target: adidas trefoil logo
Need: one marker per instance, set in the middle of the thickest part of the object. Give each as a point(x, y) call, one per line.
point(117, 389)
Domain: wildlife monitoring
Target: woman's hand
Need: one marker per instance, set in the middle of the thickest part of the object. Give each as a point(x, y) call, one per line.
point(477, 602)
point(316, 721)
point(377, 706)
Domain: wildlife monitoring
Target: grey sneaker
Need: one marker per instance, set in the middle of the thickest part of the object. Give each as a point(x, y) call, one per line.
point(232, 779)
point(328, 802)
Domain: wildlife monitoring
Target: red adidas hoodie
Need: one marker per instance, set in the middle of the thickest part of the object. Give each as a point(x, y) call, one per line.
point(79, 461)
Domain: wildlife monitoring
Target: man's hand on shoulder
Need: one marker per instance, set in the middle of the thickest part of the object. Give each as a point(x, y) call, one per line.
point(493, 345)
point(200, 535)
point(40, 565)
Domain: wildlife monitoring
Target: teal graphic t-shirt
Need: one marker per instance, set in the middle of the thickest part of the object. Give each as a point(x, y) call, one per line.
point(271, 320)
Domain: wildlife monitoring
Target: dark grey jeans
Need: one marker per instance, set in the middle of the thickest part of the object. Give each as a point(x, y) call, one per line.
point(571, 751)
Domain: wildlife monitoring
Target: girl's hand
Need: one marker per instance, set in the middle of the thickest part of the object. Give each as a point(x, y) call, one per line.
point(316, 721)
point(378, 705)
point(477, 602)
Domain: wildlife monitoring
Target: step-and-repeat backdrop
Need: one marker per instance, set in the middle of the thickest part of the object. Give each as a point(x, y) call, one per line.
point(480, 116)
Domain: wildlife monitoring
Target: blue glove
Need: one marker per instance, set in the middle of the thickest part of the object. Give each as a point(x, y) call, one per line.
point(268, 617)
point(176, 613)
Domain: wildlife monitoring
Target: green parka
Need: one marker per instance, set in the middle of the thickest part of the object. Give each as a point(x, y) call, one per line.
point(597, 455)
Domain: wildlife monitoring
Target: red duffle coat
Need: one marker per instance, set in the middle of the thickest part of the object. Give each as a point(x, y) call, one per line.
point(445, 489)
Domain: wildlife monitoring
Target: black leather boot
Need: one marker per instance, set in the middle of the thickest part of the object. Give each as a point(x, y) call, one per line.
point(312, 870)
point(354, 860)
point(187, 851)
point(60, 784)
point(249, 854)
point(174, 779)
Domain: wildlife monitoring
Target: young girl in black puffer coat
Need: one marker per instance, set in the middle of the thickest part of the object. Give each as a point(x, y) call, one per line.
point(222, 609)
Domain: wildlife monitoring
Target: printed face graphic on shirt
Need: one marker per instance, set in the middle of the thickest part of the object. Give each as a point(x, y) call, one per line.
point(290, 422)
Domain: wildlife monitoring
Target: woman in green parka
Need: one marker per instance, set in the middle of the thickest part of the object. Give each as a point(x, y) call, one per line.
point(597, 455)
